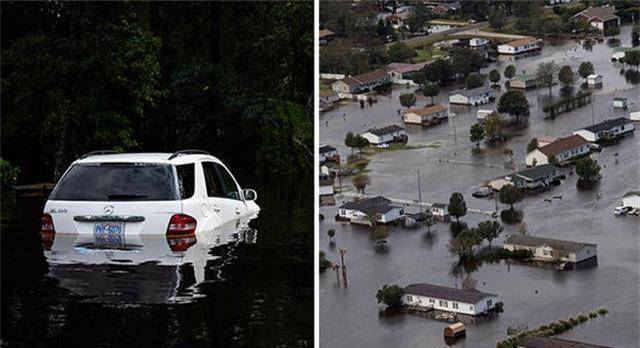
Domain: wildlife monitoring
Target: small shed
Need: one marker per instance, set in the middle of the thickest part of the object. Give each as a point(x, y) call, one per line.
point(594, 80)
point(620, 102)
point(455, 330)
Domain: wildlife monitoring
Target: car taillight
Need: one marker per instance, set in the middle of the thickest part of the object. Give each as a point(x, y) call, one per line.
point(181, 233)
point(47, 231)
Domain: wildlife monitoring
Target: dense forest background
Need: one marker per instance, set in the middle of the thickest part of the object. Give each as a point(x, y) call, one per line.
point(235, 79)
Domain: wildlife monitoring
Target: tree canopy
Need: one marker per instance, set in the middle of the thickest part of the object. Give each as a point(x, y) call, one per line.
point(510, 195)
point(158, 77)
point(457, 206)
point(514, 103)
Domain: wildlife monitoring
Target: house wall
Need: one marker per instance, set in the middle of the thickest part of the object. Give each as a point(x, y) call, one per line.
point(341, 87)
point(449, 306)
point(612, 133)
point(329, 99)
point(543, 253)
point(370, 86)
point(392, 215)
point(458, 99)
point(573, 153)
point(385, 138)
point(586, 252)
point(536, 156)
point(631, 201)
point(413, 118)
point(508, 49)
point(325, 190)
point(587, 135)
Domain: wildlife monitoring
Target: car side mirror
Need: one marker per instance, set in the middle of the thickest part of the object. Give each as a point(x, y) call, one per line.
point(249, 195)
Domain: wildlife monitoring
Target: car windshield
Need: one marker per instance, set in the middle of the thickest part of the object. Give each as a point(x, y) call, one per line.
point(117, 182)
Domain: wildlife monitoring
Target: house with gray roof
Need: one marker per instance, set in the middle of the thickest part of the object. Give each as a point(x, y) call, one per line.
point(384, 135)
point(602, 17)
point(476, 96)
point(551, 250)
point(535, 177)
point(360, 211)
point(609, 129)
point(464, 301)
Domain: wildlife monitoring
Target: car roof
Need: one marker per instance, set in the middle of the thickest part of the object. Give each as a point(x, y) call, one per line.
point(146, 157)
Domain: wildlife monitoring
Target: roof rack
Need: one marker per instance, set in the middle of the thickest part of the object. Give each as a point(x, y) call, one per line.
point(99, 152)
point(188, 152)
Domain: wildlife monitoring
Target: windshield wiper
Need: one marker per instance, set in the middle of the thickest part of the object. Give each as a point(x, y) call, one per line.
point(126, 196)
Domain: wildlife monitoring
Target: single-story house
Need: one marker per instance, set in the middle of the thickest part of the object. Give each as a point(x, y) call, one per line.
point(535, 177)
point(475, 96)
point(359, 211)
point(634, 116)
point(328, 98)
point(594, 80)
point(609, 129)
point(631, 199)
point(404, 71)
point(602, 17)
point(388, 134)
point(551, 342)
point(549, 250)
point(463, 301)
point(478, 42)
point(325, 35)
point(523, 81)
point(563, 149)
point(482, 114)
point(519, 46)
point(426, 116)
point(440, 211)
point(620, 102)
point(362, 83)
point(328, 153)
point(445, 8)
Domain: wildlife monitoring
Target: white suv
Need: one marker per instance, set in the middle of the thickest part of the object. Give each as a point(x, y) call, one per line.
point(112, 196)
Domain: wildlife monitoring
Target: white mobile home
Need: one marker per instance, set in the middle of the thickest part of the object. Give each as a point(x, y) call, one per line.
point(519, 46)
point(475, 96)
point(551, 250)
point(385, 135)
point(426, 116)
point(463, 301)
point(609, 129)
point(360, 211)
point(594, 80)
point(631, 199)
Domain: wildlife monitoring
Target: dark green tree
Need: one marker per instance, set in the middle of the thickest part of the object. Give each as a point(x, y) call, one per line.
point(457, 206)
point(476, 133)
point(566, 76)
point(494, 76)
point(430, 90)
point(408, 100)
point(545, 74)
point(510, 71)
point(585, 69)
point(490, 230)
point(400, 52)
point(473, 81)
point(588, 169)
point(514, 103)
point(390, 296)
point(533, 144)
point(510, 195)
point(380, 234)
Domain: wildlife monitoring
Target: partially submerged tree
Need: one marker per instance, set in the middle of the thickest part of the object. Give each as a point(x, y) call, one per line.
point(429, 220)
point(545, 74)
point(510, 71)
point(380, 234)
point(490, 230)
point(331, 233)
point(407, 100)
point(462, 245)
point(457, 206)
point(494, 76)
point(533, 144)
point(514, 103)
point(390, 296)
point(360, 182)
point(430, 90)
point(566, 76)
point(476, 133)
point(588, 169)
point(510, 195)
point(585, 69)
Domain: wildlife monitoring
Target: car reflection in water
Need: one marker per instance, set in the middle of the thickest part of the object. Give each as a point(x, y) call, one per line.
point(149, 269)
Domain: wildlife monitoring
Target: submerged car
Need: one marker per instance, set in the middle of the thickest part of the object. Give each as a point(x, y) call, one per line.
point(113, 197)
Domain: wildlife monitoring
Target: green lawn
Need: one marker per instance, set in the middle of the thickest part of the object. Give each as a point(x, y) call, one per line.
point(424, 54)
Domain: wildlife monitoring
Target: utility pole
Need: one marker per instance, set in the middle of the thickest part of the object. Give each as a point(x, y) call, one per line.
point(419, 188)
point(455, 137)
point(344, 268)
point(593, 113)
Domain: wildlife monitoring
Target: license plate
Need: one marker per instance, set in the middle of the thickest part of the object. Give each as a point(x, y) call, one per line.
point(109, 234)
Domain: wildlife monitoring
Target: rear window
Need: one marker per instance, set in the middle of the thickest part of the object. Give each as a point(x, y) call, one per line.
point(117, 182)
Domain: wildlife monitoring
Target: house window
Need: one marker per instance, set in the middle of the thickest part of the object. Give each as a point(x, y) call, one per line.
point(489, 303)
point(444, 304)
point(454, 305)
point(401, 211)
point(470, 308)
point(343, 212)
point(409, 298)
point(432, 300)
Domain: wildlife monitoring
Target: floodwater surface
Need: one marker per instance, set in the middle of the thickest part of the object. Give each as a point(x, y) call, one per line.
point(532, 296)
point(251, 285)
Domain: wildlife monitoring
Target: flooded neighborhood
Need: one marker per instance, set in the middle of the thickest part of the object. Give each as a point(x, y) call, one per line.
point(556, 244)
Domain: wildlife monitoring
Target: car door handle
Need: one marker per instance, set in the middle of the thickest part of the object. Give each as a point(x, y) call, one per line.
point(216, 208)
point(238, 211)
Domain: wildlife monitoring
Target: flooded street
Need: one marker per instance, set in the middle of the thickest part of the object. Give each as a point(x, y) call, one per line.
point(250, 285)
point(532, 296)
